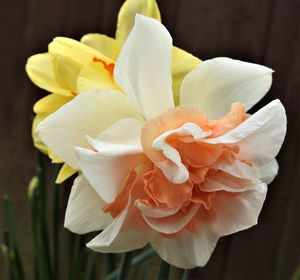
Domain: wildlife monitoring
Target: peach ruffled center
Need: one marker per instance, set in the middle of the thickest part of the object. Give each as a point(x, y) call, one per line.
point(169, 207)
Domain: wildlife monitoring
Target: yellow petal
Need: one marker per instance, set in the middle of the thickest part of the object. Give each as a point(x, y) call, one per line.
point(65, 172)
point(182, 63)
point(37, 142)
point(50, 103)
point(127, 14)
point(94, 75)
point(40, 69)
point(67, 71)
point(75, 50)
point(103, 44)
point(36, 139)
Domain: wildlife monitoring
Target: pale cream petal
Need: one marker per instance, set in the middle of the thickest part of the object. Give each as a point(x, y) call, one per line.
point(237, 212)
point(187, 251)
point(117, 239)
point(127, 15)
point(259, 137)
point(268, 171)
point(119, 153)
point(143, 69)
point(84, 212)
point(217, 83)
point(89, 113)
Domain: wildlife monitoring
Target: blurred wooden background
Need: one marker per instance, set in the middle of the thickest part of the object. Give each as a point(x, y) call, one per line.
point(261, 31)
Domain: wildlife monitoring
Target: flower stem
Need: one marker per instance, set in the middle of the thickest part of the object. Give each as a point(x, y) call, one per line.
point(186, 274)
point(164, 271)
point(125, 266)
point(134, 261)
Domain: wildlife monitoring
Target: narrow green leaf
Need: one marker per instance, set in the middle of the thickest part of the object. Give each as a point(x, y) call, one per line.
point(142, 257)
point(164, 271)
point(109, 263)
point(296, 275)
point(125, 266)
point(12, 241)
point(186, 274)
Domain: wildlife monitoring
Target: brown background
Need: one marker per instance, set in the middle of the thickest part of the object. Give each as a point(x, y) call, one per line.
point(265, 32)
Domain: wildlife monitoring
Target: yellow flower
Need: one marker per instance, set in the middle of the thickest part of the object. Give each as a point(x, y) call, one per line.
point(71, 67)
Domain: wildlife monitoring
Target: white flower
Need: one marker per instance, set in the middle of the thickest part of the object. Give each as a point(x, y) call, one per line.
point(175, 177)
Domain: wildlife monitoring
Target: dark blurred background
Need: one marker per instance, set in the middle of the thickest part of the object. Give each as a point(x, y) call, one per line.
point(261, 31)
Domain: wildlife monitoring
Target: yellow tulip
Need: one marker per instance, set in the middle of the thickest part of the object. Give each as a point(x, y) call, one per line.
point(71, 67)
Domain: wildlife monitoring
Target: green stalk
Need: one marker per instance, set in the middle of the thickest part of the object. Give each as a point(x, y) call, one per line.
point(296, 275)
point(125, 266)
point(134, 261)
point(12, 244)
point(186, 274)
point(55, 226)
point(109, 263)
point(164, 271)
point(90, 266)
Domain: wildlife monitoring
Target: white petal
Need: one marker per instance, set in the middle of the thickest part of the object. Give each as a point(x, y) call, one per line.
point(116, 239)
point(238, 212)
point(121, 138)
point(174, 223)
point(118, 152)
point(84, 212)
point(89, 113)
point(143, 69)
point(238, 169)
point(188, 250)
point(268, 171)
point(217, 83)
point(260, 136)
point(174, 170)
point(155, 212)
point(106, 173)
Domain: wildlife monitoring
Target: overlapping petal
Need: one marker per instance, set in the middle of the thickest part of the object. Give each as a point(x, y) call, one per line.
point(84, 212)
point(217, 83)
point(143, 67)
point(87, 114)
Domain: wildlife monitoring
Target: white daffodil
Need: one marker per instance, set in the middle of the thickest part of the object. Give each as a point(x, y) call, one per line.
point(177, 177)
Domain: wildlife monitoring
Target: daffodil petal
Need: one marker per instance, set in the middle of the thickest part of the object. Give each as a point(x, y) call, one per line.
point(238, 212)
point(93, 76)
point(116, 238)
point(143, 67)
point(217, 83)
point(67, 71)
point(66, 128)
point(84, 213)
point(182, 63)
point(73, 49)
point(268, 171)
point(50, 103)
point(106, 45)
point(172, 224)
point(64, 173)
point(40, 69)
point(260, 136)
point(37, 142)
point(187, 250)
point(119, 152)
point(127, 14)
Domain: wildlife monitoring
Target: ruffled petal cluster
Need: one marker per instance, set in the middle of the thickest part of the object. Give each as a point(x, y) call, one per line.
point(177, 173)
